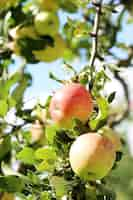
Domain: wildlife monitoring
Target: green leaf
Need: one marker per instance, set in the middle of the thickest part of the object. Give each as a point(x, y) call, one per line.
point(99, 81)
point(14, 78)
point(45, 196)
point(11, 102)
point(81, 29)
point(27, 156)
point(69, 6)
point(4, 90)
point(11, 184)
point(45, 166)
point(5, 146)
point(114, 68)
point(48, 155)
point(100, 119)
point(18, 92)
point(45, 153)
point(60, 185)
point(33, 177)
point(3, 108)
point(50, 133)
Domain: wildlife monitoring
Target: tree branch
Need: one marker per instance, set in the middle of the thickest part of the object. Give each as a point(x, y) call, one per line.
point(126, 92)
point(94, 34)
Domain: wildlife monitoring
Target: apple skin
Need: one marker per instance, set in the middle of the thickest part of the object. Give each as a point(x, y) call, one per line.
point(4, 4)
point(21, 32)
point(50, 54)
point(7, 196)
point(18, 33)
point(70, 102)
point(113, 137)
point(92, 156)
point(46, 23)
point(14, 47)
point(49, 5)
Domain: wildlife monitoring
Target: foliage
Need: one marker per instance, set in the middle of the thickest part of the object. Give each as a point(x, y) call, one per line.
point(43, 169)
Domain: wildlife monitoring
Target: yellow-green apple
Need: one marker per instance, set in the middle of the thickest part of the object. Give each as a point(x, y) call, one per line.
point(21, 32)
point(52, 53)
point(37, 133)
point(113, 136)
point(14, 47)
point(50, 5)
point(70, 102)
point(4, 4)
point(46, 23)
point(7, 196)
point(18, 33)
point(92, 156)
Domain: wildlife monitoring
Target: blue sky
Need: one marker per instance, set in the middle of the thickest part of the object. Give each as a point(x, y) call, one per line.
point(42, 85)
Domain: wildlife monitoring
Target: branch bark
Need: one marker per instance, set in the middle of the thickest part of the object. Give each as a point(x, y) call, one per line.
point(126, 92)
point(94, 34)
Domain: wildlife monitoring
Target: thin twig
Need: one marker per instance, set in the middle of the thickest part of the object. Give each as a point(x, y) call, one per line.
point(126, 92)
point(95, 34)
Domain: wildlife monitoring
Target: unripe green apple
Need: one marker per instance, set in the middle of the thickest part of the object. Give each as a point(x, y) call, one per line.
point(21, 32)
point(52, 53)
point(4, 4)
point(7, 196)
point(113, 136)
point(46, 23)
point(92, 156)
point(70, 102)
point(18, 33)
point(50, 5)
point(14, 47)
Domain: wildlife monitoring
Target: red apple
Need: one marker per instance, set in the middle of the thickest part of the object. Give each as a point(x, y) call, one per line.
point(70, 102)
point(92, 156)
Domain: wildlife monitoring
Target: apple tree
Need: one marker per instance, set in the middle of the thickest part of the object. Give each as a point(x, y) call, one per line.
point(67, 147)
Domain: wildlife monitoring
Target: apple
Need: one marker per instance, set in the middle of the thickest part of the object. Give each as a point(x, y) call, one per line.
point(4, 4)
point(92, 156)
point(51, 53)
point(50, 5)
point(70, 102)
point(37, 132)
point(46, 23)
point(14, 47)
point(7, 196)
point(113, 136)
point(21, 32)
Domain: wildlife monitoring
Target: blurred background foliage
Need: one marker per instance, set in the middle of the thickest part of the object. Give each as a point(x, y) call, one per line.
point(22, 164)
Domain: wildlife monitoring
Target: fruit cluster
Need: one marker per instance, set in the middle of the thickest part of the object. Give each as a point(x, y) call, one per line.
point(93, 154)
point(41, 38)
